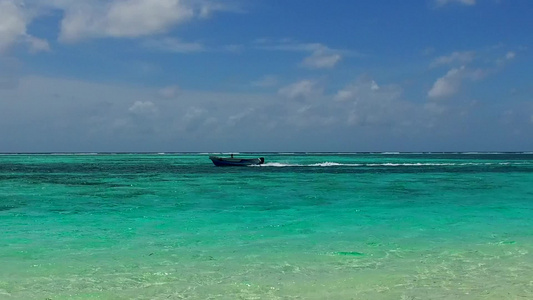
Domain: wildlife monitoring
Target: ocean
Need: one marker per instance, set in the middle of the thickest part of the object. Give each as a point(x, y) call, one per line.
point(301, 226)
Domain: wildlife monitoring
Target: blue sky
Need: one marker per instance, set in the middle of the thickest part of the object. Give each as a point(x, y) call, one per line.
point(266, 75)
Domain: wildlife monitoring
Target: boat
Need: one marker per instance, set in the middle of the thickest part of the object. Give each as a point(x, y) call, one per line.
point(232, 161)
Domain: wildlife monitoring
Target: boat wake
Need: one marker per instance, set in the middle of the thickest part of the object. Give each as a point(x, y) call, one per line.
point(335, 164)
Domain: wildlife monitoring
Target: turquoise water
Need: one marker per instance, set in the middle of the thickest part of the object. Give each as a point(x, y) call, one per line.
point(302, 226)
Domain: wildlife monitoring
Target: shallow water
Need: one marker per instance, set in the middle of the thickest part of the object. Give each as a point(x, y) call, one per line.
point(302, 226)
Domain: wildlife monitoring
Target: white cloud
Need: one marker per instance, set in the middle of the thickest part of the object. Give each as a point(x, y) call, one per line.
point(143, 108)
point(169, 91)
point(448, 84)
point(509, 56)
point(287, 45)
point(174, 45)
point(125, 18)
point(206, 8)
point(344, 94)
point(365, 88)
point(322, 59)
point(195, 112)
point(320, 56)
point(241, 117)
point(301, 89)
point(464, 2)
point(129, 18)
point(365, 103)
point(12, 23)
point(36, 44)
point(455, 57)
point(168, 44)
point(13, 27)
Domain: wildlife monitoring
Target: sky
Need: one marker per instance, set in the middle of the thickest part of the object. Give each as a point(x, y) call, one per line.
point(265, 75)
